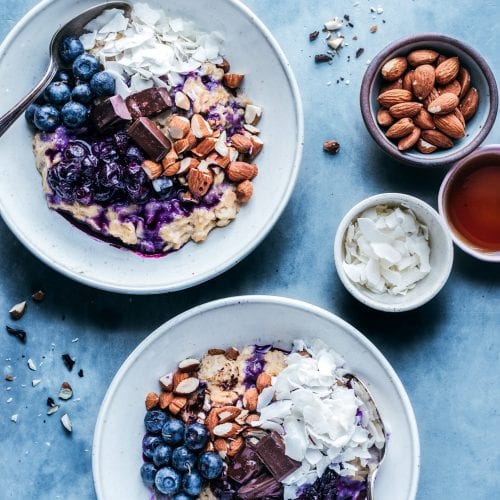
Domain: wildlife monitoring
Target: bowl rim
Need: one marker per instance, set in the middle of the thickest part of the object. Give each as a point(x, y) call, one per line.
point(226, 302)
point(445, 185)
point(374, 129)
point(357, 292)
point(189, 281)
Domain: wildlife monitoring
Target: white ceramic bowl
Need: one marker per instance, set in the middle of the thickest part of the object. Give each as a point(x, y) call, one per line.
point(441, 256)
point(269, 81)
point(116, 454)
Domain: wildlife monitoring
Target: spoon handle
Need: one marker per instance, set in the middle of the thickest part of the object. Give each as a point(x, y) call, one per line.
point(16, 111)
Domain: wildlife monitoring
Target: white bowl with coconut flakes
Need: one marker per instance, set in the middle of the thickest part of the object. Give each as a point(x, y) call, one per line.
point(393, 252)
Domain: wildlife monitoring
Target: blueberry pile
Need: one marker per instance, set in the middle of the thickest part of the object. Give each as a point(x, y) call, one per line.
point(68, 98)
point(175, 461)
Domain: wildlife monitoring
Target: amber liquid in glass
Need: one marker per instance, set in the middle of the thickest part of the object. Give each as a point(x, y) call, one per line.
point(473, 204)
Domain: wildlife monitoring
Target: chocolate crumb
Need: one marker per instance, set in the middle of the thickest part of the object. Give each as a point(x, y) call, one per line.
point(313, 36)
point(346, 17)
point(355, 37)
point(68, 361)
point(331, 147)
point(80, 372)
point(374, 29)
point(321, 58)
point(359, 52)
point(20, 334)
point(38, 296)
point(50, 402)
point(350, 25)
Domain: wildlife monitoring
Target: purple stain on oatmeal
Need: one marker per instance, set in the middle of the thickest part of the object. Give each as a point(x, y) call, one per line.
point(255, 364)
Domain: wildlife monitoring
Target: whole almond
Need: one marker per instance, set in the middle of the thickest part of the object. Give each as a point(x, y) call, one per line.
point(152, 400)
point(437, 138)
point(384, 118)
point(454, 87)
point(460, 116)
point(444, 104)
point(394, 68)
point(447, 70)
point(395, 96)
point(233, 80)
point(250, 399)
point(244, 191)
point(395, 85)
point(424, 120)
point(469, 104)
point(422, 56)
point(400, 129)
point(241, 171)
point(425, 147)
point(407, 80)
point(433, 95)
point(263, 381)
point(405, 109)
point(199, 182)
point(165, 399)
point(423, 81)
point(410, 140)
point(450, 125)
point(241, 143)
point(464, 80)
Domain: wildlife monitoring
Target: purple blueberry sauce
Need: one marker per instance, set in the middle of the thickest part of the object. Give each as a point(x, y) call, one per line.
point(255, 364)
point(331, 486)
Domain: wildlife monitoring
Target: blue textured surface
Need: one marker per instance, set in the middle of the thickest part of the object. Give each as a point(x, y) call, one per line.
point(447, 353)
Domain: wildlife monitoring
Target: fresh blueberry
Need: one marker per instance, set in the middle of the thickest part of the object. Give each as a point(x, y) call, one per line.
point(85, 67)
point(30, 113)
point(148, 473)
point(182, 496)
point(149, 445)
point(47, 118)
point(210, 465)
point(173, 431)
point(196, 435)
point(164, 186)
point(183, 459)
point(57, 93)
point(74, 114)
point(167, 481)
point(103, 84)
point(154, 420)
point(162, 455)
point(70, 49)
point(192, 483)
point(82, 93)
point(63, 76)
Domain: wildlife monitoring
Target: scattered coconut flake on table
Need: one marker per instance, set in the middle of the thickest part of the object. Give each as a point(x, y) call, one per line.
point(387, 250)
point(149, 49)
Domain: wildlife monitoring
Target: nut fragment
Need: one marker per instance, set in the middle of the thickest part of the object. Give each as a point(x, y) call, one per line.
point(241, 171)
point(233, 80)
point(331, 147)
point(224, 65)
point(152, 400)
point(178, 127)
point(177, 404)
point(244, 191)
point(200, 127)
point(17, 311)
point(167, 381)
point(182, 101)
point(178, 377)
point(189, 365)
point(165, 399)
point(215, 352)
point(252, 114)
point(235, 446)
point(152, 169)
point(384, 118)
point(250, 398)
point(263, 381)
point(469, 104)
point(66, 422)
point(187, 386)
point(66, 392)
point(38, 296)
point(227, 414)
point(199, 182)
point(227, 430)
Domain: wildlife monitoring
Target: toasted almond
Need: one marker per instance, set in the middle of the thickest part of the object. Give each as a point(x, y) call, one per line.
point(205, 147)
point(172, 169)
point(169, 159)
point(224, 65)
point(189, 365)
point(252, 114)
point(408, 81)
point(425, 147)
point(17, 311)
point(244, 191)
point(405, 109)
point(257, 145)
point(232, 353)
point(400, 129)
point(444, 104)
point(450, 125)
point(235, 446)
point(452, 87)
point(433, 95)
point(437, 138)
point(233, 80)
point(448, 70)
point(182, 145)
point(187, 164)
point(464, 80)
point(65, 392)
point(212, 419)
point(177, 404)
point(227, 430)
point(200, 127)
point(423, 81)
point(410, 140)
point(422, 56)
point(263, 381)
point(216, 351)
point(241, 419)
point(227, 414)
point(424, 120)
point(460, 116)
point(153, 170)
point(167, 382)
point(182, 101)
point(220, 444)
point(178, 127)
point(241, 143)
point(199, 182)
point(253, 417)
point(384, 118)
point(395, 96)
point(241, 171)
point(165, 399)
point(187, 386)
point(216, 159)
point(152, 400)
point(394, 68)
point(178, 377)
point(469, 104)
point(250, 398)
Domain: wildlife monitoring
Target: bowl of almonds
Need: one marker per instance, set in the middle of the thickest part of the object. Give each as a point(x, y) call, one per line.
point(429, 99)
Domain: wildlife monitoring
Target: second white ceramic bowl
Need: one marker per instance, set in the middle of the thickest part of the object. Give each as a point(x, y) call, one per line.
point(441, 256)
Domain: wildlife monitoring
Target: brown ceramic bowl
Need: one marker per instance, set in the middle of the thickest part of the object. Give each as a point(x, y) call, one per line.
point(478, 126)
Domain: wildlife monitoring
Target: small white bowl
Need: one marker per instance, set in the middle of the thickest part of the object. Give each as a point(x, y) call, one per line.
point(441, 256)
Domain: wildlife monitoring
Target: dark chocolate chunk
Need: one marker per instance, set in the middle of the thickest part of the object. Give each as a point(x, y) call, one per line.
point(51, 402)
point(110, 113)
point(20, 334)
point(148, 102)
point(359, 52)
point(313, 36)
point(244, 466)
point(68, 361)
point(271, 450)
point(321, 58)
point(80, 373)
point(150, 138)
point(264, 486)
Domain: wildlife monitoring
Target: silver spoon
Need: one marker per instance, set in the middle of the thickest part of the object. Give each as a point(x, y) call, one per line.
point(364, 394)
point(73, 27)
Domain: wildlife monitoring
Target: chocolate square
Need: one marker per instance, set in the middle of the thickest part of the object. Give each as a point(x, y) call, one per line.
point(244, 466)
point(150, 138)
point(148, 102)
point(110, 113)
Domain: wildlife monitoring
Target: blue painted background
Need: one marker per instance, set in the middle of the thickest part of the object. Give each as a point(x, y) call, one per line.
point(447, 353)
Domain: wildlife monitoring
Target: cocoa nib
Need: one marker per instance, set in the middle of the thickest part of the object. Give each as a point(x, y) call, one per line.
point(313, 35)
point(321, 58)
point(15, 332)
point(359, 52)
point(331, 147)
point(68, 361)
